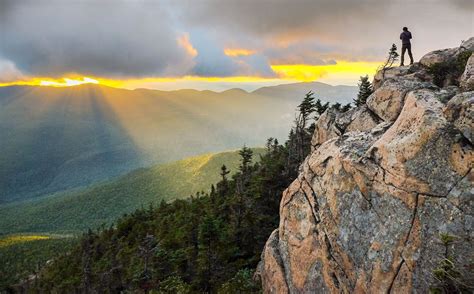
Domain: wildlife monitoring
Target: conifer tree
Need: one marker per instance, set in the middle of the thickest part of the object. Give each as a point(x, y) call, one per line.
point(391, 58)
point(320, 107)
point(365, 89)
point(209, 230)
point(302, 134)
point(246, 158)
point(307, 107)
point(147, 249)
point(269, 144)
point(346, 107)
point(337, 106)
point(224, 173)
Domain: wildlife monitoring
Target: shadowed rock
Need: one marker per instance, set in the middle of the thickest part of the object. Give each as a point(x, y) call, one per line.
point(467, 78)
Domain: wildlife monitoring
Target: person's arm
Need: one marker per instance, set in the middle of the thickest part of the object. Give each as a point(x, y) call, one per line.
point(401, 35)
point(409, 35)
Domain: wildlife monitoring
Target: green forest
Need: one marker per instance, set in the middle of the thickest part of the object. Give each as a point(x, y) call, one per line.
point(102, 204)
point(208, 243)
point(23, 255)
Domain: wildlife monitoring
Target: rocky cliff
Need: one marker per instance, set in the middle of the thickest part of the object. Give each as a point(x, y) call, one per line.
point(385, 195)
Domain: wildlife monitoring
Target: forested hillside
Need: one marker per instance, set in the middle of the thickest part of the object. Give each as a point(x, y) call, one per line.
point(104, 203)
point(24, 254)
point(207, 243)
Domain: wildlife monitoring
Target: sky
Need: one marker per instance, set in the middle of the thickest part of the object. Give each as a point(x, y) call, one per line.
point(216, 44)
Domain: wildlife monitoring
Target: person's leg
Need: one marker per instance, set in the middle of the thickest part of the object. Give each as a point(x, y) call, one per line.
point(409, 54)
point(404, 48)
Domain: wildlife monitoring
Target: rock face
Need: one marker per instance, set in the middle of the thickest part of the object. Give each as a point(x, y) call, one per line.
point(380, 187)
point(446, 55)
point(467, 78)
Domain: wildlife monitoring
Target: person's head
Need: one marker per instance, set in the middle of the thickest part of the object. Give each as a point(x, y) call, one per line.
point(405, 29)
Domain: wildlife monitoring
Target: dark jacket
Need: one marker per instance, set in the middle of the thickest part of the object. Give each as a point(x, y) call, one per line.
point(405, 37)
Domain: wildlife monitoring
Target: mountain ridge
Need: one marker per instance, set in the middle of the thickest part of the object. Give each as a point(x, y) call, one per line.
point(54, 138)
point(93, 85)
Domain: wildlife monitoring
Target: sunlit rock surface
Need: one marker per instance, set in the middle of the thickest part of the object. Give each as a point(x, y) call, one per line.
point(381, 184)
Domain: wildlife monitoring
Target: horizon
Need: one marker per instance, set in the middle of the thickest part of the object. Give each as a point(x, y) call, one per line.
point(210, 45)
point(79, 83)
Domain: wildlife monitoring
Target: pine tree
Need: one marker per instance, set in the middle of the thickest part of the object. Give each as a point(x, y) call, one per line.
point(302, 134)
point(346, 107)
point(337, 106)
point(209, 231)
point(320, 107)
point(224, 173)
point(365, 89)
point(147, 249)
point(391, 58)
point(307, 107)
point(246, 158)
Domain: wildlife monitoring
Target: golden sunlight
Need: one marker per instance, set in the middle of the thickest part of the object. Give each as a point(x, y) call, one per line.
point(344, 72)
point(67, 82)
point(307, 73)
point(238, 52)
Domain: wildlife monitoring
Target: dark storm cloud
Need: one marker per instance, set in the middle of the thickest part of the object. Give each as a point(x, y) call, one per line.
point(139, 37)
point(355, 29)
point(92, 37)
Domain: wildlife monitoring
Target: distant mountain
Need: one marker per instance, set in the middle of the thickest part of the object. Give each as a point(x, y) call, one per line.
point(104, 203)
point(54, 139)
point(341, 94)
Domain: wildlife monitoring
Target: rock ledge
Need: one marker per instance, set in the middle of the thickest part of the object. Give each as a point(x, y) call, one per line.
point(381, 184)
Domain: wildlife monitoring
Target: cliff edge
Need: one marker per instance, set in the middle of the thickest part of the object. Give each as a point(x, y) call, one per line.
point(384, 200)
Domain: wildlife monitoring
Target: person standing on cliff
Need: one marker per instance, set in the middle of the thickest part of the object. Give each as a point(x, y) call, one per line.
point(405, 36)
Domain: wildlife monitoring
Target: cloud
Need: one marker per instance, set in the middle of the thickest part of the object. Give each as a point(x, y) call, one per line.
point(138, 38)
point(124, 38)
point(236, 52)
point(9, 72)
point(464, 4)
point(353, 30)
point(213, 61)
point(186, 44)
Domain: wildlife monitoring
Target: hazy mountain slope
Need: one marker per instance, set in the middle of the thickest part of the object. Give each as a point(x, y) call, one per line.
point(53, 139)
point(105, 202)
point(341, 94)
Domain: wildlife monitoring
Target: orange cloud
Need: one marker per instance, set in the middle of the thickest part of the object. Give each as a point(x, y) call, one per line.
point(184, 42)
point(235, 52)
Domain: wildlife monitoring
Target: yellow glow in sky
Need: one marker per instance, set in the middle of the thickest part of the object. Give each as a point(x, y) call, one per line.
point(344, 72)
point(308, 73)
point(66, 82)
point(238, 52)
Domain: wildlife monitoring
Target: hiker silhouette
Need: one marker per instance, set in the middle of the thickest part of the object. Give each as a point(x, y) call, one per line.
point(405, 36)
